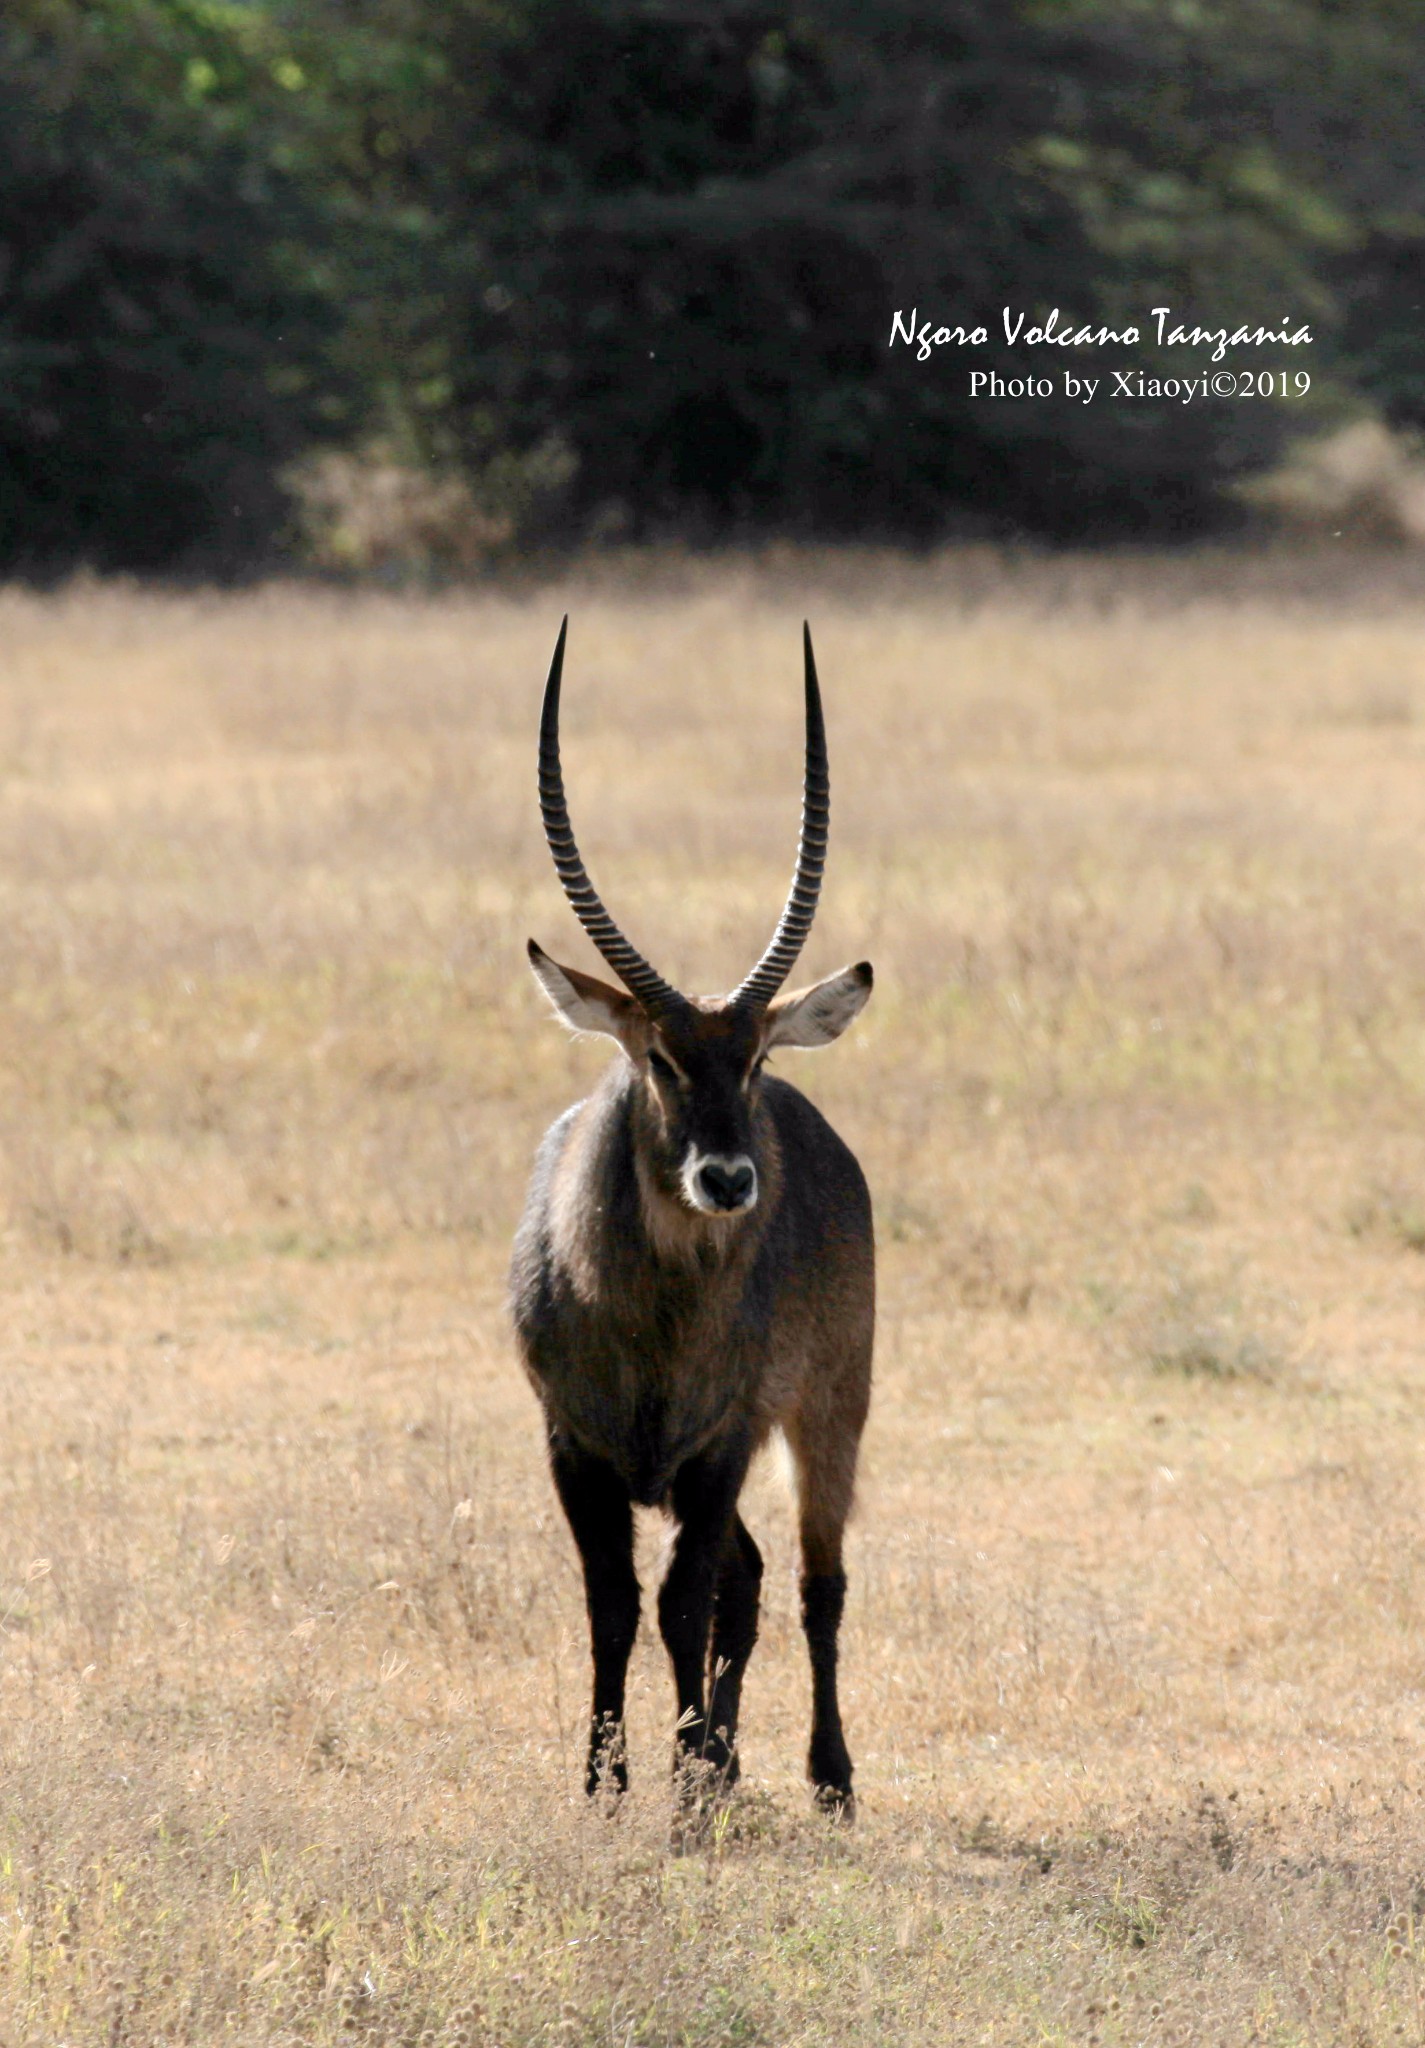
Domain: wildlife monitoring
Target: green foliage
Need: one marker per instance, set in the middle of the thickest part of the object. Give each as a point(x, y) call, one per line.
point(162, 335)
point(655, 250)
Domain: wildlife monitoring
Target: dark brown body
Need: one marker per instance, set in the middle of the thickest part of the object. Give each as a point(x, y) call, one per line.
point(665, 1345)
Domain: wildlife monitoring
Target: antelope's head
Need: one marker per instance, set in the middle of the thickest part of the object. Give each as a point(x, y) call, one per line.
point(698, 1060)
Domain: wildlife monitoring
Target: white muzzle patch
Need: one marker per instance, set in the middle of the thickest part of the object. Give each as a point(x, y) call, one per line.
point(718, 1185)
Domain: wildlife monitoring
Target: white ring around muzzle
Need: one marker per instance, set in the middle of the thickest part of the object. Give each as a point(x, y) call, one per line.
point(731, 1169)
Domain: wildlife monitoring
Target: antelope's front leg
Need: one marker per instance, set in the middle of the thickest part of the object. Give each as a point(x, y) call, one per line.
point(734, 1632)
point(704, 1501)
point(601, 1516)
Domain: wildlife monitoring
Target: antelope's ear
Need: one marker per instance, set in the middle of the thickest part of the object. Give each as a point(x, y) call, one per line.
point(810, 1017)
point(586, 1004)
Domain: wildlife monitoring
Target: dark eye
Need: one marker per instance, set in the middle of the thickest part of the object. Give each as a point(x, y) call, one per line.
point(664, 1069)
point(756, 1068)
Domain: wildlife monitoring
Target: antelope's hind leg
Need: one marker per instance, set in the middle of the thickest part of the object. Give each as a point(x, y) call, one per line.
point(824, 1447)
point(601, 1516)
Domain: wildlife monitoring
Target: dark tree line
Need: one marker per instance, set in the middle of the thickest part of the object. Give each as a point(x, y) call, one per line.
point(632, 264)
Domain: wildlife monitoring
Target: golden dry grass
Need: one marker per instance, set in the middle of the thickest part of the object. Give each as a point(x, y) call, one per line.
point(292, 1663)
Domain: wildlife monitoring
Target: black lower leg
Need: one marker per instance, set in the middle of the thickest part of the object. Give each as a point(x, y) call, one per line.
point(601, 1517)
point(734, 1633)
point(704, 1501)
point(823, 1598)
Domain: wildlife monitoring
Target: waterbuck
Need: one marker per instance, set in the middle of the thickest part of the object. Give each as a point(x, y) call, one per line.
point(696, 1268)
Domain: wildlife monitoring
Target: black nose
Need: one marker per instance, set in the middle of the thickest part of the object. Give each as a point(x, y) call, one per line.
point(727, 1187)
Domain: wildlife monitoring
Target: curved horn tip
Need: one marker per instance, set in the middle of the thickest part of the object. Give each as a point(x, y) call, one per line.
point(813, 685)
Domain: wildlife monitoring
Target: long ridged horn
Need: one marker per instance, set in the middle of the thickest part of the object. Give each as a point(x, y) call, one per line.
point(790, 936)
point(656, 996)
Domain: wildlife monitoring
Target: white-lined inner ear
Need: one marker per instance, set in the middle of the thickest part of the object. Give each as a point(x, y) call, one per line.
point(586, 1009)
point(815, 1016)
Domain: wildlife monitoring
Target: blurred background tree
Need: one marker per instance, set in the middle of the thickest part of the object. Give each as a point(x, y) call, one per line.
point(629, 266)
point(167, 337)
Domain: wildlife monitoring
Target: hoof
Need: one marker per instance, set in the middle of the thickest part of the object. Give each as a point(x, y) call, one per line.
point(697, 1782)
point(606, 1779)
point(606, 1794)
point(607, 1772)
point(837, 1802)
point(829, 1768)
point(702, 1793)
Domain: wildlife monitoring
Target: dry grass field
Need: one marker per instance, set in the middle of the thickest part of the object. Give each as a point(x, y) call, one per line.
point(292, 1657)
